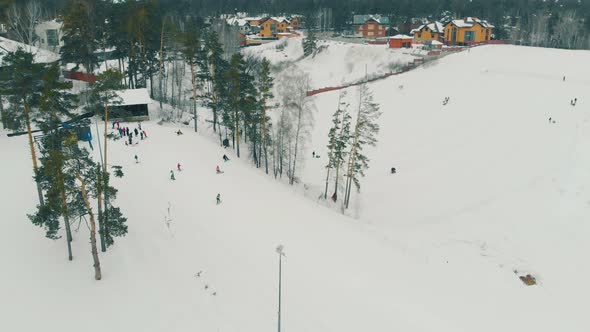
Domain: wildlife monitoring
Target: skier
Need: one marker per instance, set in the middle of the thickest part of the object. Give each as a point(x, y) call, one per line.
point(218, 170)
point(114, 122)
point(179, 132)
point(564, 78)
point(225, 143)
point(141, 135)
point(393, 170)
point(172, 175)
point(549, 119)
point(575, 101)
point(313, 154)
point(130, 140)
point(136, 159)
point(179, 167)
point(144, 133)
point(218, 199)
point(120, 132)
point(139, 124)
point(225, 158)
point(136, 132)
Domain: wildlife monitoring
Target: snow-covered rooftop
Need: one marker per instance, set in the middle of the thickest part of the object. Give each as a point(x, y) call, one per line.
point(434, 27)
point(132, 97)
point(41, 56)
point(471, 21)
point(400, 36)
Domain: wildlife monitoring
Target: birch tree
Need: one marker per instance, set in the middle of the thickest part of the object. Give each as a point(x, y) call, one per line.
point(293, 93)
point(23, 17)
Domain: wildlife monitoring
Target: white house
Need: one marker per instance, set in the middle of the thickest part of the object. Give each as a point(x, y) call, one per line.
point(49, 35)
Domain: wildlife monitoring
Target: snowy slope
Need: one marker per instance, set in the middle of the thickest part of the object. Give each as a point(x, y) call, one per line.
point(485, 186)
point(41, 56)
point(336, 62)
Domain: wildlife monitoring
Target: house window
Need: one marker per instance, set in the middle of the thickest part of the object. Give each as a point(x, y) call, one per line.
point(371, 27)
point(52, 38)
point(419, 34)
point(432, 35)
point(273, 28)
point(370, 33)
point(469, 35)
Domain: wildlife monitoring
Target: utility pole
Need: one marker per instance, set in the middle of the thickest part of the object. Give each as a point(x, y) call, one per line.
point(281, 254)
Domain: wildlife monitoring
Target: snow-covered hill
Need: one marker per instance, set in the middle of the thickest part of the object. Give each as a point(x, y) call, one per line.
point(485, 186)
point(336, 62)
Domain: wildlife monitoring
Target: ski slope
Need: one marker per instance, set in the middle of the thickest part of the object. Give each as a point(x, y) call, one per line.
point(485, 186)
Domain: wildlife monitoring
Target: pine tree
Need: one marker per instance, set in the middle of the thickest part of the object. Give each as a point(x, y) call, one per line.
point(309, 43)
point(216, 68)
point(80, 35)
point(265, 86)
point(242, 104)
point(102, 94)
point(364, 134)
point(338, 139)
point(192, 53)
point(21, 80)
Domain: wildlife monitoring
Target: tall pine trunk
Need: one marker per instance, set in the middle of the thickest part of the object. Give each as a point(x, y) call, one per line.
point(65, 213)
point(105, 178)
point(94, 250)
point(194, 81)
point(100, 214)
point(33, 152)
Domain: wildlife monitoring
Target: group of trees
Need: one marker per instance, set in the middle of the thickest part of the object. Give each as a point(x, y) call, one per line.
point(68, 179)
point(353, 128)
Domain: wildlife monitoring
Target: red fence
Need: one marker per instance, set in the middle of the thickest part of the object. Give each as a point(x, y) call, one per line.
point(77, 76)
point(404, 69)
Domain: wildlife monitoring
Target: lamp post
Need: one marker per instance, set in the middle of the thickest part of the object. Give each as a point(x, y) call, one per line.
point(281, 254)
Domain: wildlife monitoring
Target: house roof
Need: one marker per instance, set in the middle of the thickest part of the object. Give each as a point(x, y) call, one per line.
point(132, 97)
point(434, 27)
point(400, 36)
point(468, 22)
point(362, 19)
point(281, 19)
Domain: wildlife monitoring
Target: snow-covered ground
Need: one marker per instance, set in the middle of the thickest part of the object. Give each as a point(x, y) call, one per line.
point(336, 62)
point(485, 186)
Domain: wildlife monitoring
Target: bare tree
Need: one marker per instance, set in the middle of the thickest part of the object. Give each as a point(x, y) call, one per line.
point(23, 18)
point(299, 110)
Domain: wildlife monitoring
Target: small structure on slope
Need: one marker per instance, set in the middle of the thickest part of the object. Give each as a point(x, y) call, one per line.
point(130, 105)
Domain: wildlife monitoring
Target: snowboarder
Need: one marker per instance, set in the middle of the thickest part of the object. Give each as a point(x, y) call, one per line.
point(218, 199)
point(225, 158)
point(136, 159)
point(136, 132)
point(393, 170)
point(179, 167)
point(172, 175)
point(218, 170)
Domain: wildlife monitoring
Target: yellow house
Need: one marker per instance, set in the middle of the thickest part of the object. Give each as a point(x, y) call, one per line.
point(271, 26)
point(430, 31)
point(468, 31)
